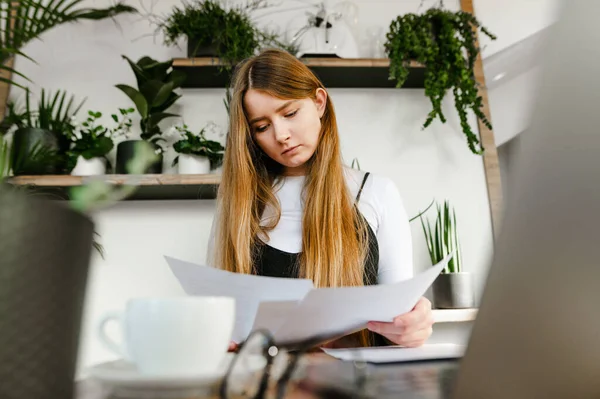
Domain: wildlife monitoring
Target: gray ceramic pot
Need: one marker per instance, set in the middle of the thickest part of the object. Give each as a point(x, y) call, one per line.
point(197, 49)
point(45, 252)
point(33, 140)
point(453, 291)
point(126, 152)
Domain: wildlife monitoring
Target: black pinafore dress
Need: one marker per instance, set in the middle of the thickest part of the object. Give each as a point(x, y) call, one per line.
point(272, 262)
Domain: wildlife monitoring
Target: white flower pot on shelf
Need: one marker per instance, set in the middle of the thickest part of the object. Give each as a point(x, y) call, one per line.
point(89, 167)
point(193, 164)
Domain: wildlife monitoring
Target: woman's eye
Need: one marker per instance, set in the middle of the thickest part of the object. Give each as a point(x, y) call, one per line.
point(291, 114)
point(261, 128)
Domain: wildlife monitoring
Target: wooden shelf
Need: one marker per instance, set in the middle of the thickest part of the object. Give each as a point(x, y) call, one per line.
point(151, 187)
point(204, 72)
point(454, 315)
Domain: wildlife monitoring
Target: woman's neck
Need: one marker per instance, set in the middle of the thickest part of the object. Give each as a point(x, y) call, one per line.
point(296, 171)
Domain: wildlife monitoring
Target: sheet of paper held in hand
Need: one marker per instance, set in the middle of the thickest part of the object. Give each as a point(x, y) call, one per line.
point(293, 310)
point(248, 290)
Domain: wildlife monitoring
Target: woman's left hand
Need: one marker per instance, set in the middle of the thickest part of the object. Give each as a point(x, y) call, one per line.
point(411, 329)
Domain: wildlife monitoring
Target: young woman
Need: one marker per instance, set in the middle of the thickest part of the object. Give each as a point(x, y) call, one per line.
point(287, 206)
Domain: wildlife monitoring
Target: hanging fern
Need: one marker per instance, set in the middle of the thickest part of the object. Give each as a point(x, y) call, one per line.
point(445, 43)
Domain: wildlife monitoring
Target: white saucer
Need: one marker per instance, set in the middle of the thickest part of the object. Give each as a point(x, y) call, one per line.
point(123, 374)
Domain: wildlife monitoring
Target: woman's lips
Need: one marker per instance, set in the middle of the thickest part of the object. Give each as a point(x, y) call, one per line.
point(291, 150)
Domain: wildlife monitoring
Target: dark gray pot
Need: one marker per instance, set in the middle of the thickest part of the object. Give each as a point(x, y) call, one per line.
point(45, 252)
point(25, 141)
point(197, 49)
point(126, 152)
point(453, 291)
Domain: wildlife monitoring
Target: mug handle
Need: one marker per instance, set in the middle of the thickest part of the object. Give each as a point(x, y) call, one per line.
point(108, 342)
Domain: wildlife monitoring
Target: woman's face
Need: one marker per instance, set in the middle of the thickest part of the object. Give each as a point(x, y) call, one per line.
point(286, 130)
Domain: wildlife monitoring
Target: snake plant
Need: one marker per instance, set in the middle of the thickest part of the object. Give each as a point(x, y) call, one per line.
point(443, 239)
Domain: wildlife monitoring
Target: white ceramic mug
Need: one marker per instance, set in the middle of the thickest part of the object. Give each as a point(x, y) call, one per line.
point(173, 336)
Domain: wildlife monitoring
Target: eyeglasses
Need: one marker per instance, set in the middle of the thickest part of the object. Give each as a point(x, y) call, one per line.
point(263, 370)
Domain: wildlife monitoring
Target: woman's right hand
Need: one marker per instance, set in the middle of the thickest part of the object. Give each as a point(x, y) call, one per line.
point(232, 347)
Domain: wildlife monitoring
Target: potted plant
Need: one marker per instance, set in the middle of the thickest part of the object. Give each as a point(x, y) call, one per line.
point(41, 136)
point(156, 82)
point(453, 289)
point(214, 31)
point(444, 42)
point(197, 154)
point(92, 142)
point(45, 251)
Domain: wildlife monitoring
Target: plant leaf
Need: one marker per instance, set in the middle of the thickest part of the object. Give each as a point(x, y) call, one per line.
point(457, 254)
point(137, 98)
point(421, 213)
point(178, 78)
point(156, 118)
point(140, 74)
point(163, 94)
point(167, 104)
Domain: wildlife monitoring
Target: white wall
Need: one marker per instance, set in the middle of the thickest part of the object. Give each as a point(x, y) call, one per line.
point(379, 126)
point(511, 103)
point(511, 62)
point(513, 20)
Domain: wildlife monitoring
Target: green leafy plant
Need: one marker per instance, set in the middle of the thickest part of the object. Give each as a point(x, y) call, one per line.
point(25, 20)
point(443, 239)
point(94, 140)
point(197, 144)
point(51, 113)
point(124, 123)
point(445, 43)
point(54, 113)
point(230, 31)
point(90, 140)
point(156, 83)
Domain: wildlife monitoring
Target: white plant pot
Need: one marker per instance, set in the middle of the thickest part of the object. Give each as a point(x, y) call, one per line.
point(89, 167)
point(193, 164)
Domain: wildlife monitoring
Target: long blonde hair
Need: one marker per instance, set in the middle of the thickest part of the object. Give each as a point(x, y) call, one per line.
point(334, 236)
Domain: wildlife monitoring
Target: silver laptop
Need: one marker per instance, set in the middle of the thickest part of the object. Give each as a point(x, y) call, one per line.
point(537, 334)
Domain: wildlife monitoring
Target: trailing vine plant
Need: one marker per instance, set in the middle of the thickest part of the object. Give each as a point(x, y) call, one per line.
point(445, 43)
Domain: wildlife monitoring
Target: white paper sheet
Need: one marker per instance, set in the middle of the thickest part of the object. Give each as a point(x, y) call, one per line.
point(330, 312)
point(393, 354)
point(271, 315)
point(322, 313)
point(248, 290)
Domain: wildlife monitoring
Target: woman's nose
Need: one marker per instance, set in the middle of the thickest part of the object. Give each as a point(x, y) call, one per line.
point(282, 133)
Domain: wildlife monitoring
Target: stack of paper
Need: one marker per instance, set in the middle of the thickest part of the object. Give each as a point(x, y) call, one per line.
point(293, 310)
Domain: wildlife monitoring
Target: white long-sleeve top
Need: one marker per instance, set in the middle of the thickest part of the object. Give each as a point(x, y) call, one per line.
point(381, 205)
